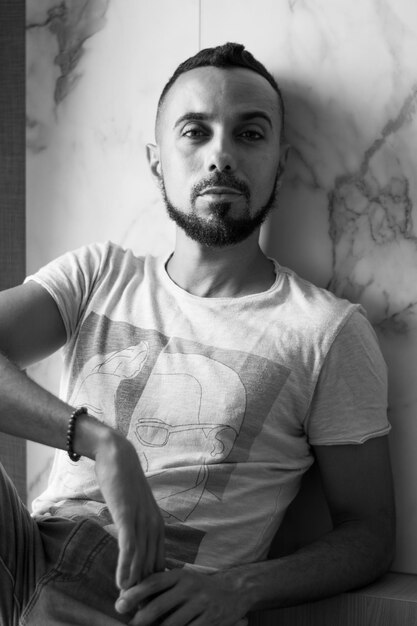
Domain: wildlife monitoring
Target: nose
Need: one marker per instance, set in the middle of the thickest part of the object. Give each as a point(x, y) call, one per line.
point(221, 155)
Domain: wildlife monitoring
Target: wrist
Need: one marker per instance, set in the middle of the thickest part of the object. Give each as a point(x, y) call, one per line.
point(91, 435)
point(237, 586)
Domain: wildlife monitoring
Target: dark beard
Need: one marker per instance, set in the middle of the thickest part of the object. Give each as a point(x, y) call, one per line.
point(221, 230)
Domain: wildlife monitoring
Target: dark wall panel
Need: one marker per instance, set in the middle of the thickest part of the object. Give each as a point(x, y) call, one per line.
point(12, 185)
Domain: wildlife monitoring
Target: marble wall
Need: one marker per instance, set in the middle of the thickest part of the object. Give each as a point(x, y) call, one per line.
point(347, 209)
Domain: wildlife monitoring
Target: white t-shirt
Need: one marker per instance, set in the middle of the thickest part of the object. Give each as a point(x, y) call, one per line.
point(221, 397)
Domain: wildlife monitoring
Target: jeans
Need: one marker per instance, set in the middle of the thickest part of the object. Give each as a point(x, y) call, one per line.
point(54, 571)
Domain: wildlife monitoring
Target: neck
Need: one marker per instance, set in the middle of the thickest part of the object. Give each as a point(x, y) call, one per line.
point(232, 271)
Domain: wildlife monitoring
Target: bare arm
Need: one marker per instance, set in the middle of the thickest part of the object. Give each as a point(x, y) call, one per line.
point(358, 487)
point(31, 328)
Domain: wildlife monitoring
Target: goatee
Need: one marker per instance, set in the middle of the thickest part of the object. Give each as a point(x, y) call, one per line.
point(221, 229)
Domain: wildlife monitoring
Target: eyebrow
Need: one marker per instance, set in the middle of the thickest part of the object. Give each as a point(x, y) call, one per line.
point(204, 117)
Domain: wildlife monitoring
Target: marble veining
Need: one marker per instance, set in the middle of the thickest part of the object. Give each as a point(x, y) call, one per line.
point(367, 217)
point(70, 24)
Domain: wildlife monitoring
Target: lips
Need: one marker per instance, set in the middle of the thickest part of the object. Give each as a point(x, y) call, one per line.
point(220, 191)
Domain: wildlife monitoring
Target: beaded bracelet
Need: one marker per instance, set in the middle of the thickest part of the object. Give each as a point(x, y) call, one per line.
point(70, 432)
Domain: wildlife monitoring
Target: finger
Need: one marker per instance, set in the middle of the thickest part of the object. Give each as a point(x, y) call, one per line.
point(159, 606)
point(158, 554)
point(184, 614)
point(137, 567)
point(150, 555)
point(126, 554)
point(200, 620)
point(155, 584)
point(135, 572)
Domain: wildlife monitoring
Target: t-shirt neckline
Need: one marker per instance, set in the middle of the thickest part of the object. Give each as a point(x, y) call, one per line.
point(179, 291)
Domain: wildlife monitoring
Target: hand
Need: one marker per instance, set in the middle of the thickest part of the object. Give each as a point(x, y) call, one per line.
point(136, 515)
point(181, 596)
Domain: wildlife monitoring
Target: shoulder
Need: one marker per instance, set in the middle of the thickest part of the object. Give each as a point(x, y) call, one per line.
point(307, 294)
point(314, 308)
point(104, 260)
point(84, 267)
point(101, 254)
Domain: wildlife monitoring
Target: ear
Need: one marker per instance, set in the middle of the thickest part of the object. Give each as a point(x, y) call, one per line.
point(284, 151)
point(152, 154)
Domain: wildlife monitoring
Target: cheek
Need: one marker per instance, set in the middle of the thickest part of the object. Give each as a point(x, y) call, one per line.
point(265, 173)
point(179, 174)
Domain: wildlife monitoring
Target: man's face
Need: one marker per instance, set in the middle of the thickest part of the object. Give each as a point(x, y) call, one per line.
point(218, 153)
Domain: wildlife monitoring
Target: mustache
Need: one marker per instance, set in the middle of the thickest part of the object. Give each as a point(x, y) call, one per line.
point(220, 179)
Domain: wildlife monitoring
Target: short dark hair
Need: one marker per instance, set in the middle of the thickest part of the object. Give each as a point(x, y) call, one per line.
point(226, 56)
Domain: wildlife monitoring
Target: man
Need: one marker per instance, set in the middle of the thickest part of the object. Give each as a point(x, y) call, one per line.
point(208, 383)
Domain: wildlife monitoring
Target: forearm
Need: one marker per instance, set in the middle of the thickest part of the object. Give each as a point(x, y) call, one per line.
point(351, 556)
point(31, 412)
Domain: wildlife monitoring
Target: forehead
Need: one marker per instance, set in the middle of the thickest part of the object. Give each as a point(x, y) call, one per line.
point(220, 93)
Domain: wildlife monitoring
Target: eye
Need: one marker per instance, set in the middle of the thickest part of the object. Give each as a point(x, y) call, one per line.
point(251, 135)
point(194, 132)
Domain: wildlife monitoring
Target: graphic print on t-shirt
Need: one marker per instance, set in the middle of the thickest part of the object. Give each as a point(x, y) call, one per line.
point(192, 411)
point(102, 375)
point(188, 416)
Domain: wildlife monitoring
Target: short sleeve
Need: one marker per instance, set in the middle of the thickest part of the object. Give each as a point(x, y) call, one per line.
point(70, 279)
point(350, 399)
